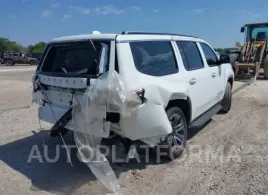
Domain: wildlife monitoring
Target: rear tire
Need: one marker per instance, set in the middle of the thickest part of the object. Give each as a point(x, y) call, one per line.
point(9, 62)
point(227, 99)
point(176, 141)
point(265, 67)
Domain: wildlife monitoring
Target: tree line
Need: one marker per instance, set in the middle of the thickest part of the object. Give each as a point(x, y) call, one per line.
point(8, 45)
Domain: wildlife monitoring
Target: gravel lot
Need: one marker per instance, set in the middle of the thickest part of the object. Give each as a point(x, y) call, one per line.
point(240, 137)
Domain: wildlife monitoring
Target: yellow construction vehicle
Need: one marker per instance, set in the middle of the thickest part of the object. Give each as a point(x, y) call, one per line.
point(253, 55)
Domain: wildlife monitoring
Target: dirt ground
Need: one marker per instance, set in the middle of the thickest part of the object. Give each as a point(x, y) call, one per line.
point(227, 156)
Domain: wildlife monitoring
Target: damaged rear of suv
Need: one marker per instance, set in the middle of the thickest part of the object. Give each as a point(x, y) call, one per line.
point(149, 87)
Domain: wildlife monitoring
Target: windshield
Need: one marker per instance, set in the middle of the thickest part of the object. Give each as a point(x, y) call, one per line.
point(258, 33)
point(79, 57)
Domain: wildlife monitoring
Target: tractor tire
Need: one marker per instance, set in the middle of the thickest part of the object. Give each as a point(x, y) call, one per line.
point(233, 58)
point(265, 67)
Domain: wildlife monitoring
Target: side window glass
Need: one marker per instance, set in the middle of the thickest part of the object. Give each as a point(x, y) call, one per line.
point(183, 56)
point(190, 55)
point(155, 58)
point(209, 54)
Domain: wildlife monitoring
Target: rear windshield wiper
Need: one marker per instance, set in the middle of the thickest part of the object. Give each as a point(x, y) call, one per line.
point(64, 70)
point(93, 45)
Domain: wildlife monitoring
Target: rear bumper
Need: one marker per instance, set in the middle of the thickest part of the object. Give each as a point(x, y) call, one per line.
point(149, 120)
point(47, 115)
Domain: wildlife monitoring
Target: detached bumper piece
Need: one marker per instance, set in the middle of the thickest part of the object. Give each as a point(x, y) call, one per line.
point(58, 128)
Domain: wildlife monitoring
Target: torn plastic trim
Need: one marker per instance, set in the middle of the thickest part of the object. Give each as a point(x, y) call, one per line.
point(90, 154)
point(106, 95)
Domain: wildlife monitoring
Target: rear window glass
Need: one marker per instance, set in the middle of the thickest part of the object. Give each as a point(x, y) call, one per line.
point(81, 58)
point(154, 58)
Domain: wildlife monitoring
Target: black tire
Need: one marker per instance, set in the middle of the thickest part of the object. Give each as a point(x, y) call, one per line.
point(227, 99)
point(265, 67)
point(233, 58)
point(32, 62)
point(173, 148)
point(9, 62)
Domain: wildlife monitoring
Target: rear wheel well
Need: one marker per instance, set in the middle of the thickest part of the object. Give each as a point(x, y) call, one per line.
point(184, 105)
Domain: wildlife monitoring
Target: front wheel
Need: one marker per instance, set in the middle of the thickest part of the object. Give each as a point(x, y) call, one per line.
point(176, 141)
point(227, 99)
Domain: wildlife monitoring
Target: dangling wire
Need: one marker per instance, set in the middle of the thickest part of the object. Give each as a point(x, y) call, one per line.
point(69, 156)
point(39, 121)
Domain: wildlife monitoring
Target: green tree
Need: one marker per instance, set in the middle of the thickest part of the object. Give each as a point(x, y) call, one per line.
point(38, 47)
point(3, 44)
point(7, 45)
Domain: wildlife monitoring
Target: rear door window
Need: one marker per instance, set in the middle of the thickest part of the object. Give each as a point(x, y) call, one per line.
point(80, 57)
point(190, 54)
point(155, 58)
point(209, 54)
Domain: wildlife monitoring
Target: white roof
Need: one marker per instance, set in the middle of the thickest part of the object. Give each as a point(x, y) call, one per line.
point(84, 37)
point(122, 38)
point(148, 37)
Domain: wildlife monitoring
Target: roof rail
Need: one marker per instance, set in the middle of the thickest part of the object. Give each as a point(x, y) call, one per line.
point(153, 33)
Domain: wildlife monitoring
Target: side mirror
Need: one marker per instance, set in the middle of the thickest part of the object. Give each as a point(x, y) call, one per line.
point(242, 29)
point(224, 59)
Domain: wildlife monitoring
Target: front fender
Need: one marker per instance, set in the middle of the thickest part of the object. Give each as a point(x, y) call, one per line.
point(228, 72)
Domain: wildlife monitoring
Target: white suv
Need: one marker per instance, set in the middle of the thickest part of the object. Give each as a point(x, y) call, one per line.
point(180, 80)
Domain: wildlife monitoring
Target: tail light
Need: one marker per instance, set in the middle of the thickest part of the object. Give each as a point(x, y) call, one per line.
point(141, 93)
point(36, 86)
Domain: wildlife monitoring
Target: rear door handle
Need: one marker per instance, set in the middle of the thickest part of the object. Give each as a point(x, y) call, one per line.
point(213, 74)
point(192, 81)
